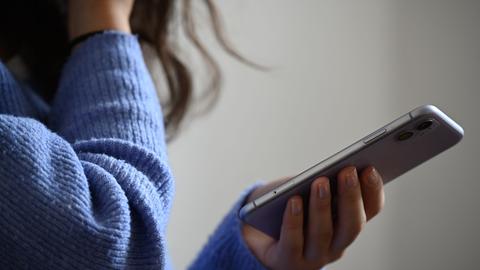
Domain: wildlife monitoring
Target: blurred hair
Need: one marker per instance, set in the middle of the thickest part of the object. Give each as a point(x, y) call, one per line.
point(37, 32)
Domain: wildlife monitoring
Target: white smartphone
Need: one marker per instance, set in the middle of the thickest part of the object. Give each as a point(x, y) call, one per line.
point(393, 149)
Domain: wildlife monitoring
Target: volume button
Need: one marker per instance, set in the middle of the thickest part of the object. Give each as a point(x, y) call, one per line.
point(375, 135)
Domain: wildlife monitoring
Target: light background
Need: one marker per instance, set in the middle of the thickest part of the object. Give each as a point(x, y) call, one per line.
point(340, 70)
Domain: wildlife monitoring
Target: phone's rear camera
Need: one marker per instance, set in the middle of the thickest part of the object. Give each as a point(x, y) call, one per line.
point(405, 135)
point(425, 125)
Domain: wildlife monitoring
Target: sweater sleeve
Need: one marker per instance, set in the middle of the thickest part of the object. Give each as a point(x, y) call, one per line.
point(14, 98)
point(226, 248)
point(94, 190)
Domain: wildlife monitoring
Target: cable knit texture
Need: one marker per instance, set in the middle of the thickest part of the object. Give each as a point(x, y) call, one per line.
point(86, 184)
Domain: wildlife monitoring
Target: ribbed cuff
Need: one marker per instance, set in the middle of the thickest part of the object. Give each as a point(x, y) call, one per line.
point(226, 248)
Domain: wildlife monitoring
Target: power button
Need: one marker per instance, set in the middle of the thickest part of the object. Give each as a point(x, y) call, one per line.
point(375, 135)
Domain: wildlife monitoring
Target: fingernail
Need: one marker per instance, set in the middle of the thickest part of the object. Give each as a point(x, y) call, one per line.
point(322, 191)
point(296, 207)
point(351, 178)
point(373, 177)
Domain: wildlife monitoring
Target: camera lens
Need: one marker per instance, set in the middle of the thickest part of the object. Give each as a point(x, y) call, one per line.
point(425, 125)
point(405, 135)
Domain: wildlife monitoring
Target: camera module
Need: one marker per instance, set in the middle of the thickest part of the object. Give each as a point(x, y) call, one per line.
point(424, 125)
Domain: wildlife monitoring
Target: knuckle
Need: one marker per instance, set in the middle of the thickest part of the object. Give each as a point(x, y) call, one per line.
point(326, 234)
point(290, 249)
point(352, 197)
point(290, 227)
point(293, 249)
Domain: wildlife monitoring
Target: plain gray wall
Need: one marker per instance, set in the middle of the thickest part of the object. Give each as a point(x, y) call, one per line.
point(340, 69)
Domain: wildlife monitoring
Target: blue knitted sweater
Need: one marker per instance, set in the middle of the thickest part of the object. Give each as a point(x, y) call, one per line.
point(85, 182)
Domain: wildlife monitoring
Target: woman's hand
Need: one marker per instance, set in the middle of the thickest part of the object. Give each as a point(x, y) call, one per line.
point(322, 240)
point(86, 16)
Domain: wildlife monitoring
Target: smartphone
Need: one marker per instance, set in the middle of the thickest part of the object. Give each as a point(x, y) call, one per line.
point(393, 149)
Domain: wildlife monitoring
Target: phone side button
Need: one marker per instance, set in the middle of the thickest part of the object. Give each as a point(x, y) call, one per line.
point(375, 135)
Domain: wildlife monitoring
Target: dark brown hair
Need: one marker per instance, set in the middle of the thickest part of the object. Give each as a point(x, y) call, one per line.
point(37, 31)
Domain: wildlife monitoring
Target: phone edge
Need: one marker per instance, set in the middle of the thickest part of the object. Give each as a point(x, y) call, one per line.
point(413, 114)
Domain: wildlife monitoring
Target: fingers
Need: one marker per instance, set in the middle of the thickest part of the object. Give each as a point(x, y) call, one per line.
point(320, 226)
point(290, 243)
point(351, 214)
point(372, 191)
point(358, 199)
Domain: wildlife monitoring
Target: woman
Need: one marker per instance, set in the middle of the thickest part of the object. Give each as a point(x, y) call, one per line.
point(84, 177)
